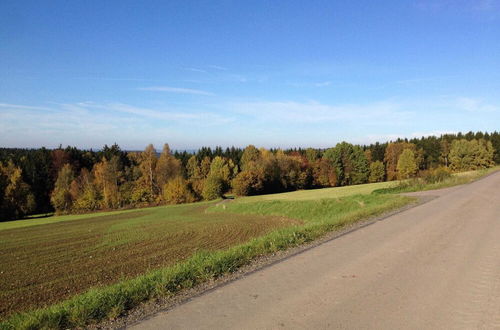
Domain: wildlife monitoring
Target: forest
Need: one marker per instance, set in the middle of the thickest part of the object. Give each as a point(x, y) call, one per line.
point(71, 180)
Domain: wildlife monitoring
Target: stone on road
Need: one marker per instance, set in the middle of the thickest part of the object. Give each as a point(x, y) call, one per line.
point(435, 266)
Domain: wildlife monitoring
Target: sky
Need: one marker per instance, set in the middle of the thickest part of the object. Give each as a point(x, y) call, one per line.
point(268, 73)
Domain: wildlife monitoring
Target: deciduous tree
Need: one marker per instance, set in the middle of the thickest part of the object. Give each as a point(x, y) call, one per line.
point(377, 171)
point(61, 196)
point(407, 166)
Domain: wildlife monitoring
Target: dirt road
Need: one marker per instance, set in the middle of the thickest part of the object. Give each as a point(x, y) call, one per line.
point(435, 266)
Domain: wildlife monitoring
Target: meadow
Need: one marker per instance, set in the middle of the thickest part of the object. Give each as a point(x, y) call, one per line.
point(157, 251)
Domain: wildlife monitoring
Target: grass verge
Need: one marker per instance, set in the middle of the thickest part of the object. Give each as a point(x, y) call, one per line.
point(319, 217)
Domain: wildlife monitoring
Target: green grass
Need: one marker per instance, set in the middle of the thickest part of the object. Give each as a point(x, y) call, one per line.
point(277, 225)
point(323, 193)
point(46, 263)
point(420, 185)
point(49, 218)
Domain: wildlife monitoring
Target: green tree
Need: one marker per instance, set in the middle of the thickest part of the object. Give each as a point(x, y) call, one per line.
point(471, 155)
point(312, 155)
point(213, 188)
point(407, 166)
point(193, 168)
point(350, 162)
point(377, 171)
point(250, 155)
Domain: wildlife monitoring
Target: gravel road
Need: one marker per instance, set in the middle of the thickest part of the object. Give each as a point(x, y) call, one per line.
point(435, 266)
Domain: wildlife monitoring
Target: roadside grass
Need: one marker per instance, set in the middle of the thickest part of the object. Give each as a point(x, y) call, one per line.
point(311, 220)
point(456, 179)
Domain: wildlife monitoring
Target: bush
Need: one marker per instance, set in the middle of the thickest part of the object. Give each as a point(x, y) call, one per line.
point(177, 191)
point(141, 196)
point(436, 175)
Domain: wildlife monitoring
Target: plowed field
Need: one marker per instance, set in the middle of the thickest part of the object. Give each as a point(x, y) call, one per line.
point(45, 263)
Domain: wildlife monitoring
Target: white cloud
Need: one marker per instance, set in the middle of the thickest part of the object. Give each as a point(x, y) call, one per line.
point(90, 124)
point(22, 107)
point(177, 90)
point(474, 105)
point(315, 112)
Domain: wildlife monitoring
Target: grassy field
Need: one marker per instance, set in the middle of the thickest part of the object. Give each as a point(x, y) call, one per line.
point(315, 194)
point(45, 263)
point(96, 266)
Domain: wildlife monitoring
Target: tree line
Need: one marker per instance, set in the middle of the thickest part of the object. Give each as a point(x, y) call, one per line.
point(70, 180)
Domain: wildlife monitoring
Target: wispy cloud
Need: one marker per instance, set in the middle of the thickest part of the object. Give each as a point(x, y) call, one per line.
point(216, 67)
point(177, 90)
point(310, 84)
point(91, 124)
point(323, 84)
point(315, 112)
point(196, 70)
point(112, 79)
point(24, 107)
point(475, 105)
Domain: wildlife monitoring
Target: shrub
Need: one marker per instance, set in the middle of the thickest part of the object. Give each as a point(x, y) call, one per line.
point(436, 175)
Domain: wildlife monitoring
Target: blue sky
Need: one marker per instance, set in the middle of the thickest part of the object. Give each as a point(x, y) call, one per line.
point(269, 73)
